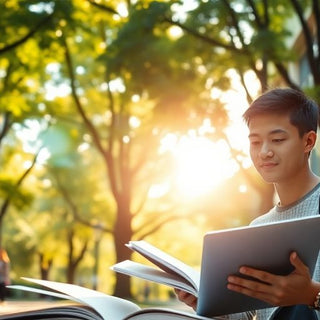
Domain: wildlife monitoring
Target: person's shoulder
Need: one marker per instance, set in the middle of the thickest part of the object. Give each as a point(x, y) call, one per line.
point(312, 195)
point(317, 189)
point(267, 217)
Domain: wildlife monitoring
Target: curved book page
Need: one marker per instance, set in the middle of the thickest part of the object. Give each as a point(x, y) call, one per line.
point(139, 270)
point(109, 307)
point(166, 262)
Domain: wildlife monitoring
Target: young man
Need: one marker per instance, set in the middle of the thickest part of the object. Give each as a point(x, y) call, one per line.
point(282, 132)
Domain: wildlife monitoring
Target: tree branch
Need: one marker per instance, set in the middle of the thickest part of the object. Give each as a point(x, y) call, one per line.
point(104, 7)
point(89, 125)
point(285, 75)
point(5, 126)
point(308, 40)
point(206, 39)
point(316, 12)
point(235, 22)
point(27, 36)
point(255, 13)
point(7, 200)
point(158, 225)
point(248, 95)
point(108, 155)
point(74, 209)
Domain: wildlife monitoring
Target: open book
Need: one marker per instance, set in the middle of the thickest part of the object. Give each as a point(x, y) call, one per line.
point(172, 272)
point(89, 305)
point(266, 247)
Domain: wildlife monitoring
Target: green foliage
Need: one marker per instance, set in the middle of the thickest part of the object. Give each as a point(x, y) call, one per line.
point(314, 92)
point(19, 198)
point(272, 44)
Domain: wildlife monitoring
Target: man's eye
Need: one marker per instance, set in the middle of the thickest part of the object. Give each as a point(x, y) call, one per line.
point(277, 140)
point(254, 143)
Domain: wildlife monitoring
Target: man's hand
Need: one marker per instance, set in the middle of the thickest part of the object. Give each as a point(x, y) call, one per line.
point(295, 288)
point(187, 298)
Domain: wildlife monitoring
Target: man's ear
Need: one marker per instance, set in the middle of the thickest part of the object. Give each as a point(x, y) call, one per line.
point(310, 140)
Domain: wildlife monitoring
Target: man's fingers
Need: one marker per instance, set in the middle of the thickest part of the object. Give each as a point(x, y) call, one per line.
point(298, 263)
point(187, 298)
point(263, 276)
point(243, 285)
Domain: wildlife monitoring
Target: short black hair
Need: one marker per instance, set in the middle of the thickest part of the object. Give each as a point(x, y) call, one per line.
point(303, 112)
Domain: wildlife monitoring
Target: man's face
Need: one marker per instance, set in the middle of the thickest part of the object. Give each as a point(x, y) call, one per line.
point(278, 152)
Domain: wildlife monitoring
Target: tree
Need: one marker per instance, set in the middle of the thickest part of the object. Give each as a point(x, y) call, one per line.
point(164, 88)
point(19, 96)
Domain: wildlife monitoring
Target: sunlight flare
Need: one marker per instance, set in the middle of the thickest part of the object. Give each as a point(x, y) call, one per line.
point(201, 165)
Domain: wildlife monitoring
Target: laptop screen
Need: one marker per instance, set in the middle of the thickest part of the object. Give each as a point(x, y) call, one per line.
point(265, 247)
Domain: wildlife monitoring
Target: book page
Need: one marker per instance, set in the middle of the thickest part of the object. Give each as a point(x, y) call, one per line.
point(51, 310)
point(109, 307)
point(156, 275)
point(166, 314)
point(166, 262)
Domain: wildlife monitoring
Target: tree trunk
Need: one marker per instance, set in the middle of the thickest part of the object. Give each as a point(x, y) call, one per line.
point(45, 267)
point(71, 272)
point(122, 235)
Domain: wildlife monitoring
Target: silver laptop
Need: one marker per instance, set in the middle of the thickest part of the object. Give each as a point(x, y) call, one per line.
point(266, 247)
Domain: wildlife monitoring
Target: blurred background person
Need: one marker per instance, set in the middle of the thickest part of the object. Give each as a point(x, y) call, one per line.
point(4, 273)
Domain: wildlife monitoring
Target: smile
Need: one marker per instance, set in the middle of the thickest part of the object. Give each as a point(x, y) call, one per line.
point(267, 165)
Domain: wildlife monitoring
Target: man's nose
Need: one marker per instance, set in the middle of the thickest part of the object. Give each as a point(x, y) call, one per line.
point(265, 151)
